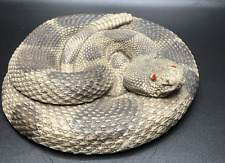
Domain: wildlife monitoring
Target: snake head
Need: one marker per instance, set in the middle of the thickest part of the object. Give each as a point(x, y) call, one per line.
point(153, 77)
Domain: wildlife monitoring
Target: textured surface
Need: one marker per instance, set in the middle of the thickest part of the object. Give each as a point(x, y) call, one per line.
point(197, 137)
point(141, 119)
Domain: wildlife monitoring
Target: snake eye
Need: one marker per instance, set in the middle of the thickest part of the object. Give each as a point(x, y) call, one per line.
point(153, 77)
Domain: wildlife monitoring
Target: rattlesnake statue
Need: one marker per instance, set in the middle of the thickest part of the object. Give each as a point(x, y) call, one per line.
point(97, 84)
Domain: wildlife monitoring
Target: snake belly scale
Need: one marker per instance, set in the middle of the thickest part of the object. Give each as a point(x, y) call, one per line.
point(96, 84)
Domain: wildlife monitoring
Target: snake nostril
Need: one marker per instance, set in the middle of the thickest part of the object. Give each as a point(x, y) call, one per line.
point(179, 86)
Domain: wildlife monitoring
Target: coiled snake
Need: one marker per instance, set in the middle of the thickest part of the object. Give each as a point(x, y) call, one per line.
point(98, 84)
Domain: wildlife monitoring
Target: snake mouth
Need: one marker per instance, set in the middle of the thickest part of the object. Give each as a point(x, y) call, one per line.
point(169, 85)
point(167, 93)
point(168, 89)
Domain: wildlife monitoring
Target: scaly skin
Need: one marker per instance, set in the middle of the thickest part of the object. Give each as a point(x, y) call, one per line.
point(97, 84)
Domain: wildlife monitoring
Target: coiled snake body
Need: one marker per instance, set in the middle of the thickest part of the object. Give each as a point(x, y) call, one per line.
point(98, 84)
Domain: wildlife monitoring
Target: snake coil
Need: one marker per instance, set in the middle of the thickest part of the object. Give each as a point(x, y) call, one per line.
point(97, 84)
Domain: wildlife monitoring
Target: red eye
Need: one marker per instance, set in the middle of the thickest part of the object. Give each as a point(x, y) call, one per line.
point(173, 66)
point(154, 77)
